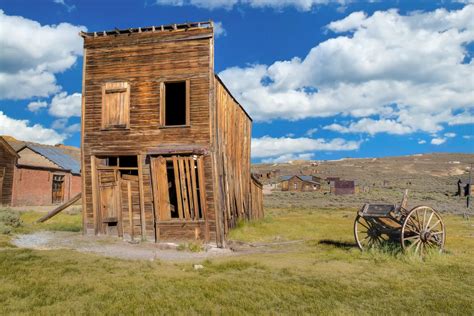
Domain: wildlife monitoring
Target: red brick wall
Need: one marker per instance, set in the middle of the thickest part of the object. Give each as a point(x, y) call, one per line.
point(33, 187)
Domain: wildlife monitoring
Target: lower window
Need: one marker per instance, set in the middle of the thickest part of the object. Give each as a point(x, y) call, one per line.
point(178, 187)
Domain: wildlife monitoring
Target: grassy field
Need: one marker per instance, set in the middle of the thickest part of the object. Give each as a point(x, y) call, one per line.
point(320, 273)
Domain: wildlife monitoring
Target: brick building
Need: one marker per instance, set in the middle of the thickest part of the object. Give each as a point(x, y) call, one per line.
point(35, 175)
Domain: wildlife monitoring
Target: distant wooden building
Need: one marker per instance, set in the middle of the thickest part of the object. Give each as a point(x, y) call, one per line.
point(299, 183)
point(343, 187)
point(35, 175)
point(166, 147)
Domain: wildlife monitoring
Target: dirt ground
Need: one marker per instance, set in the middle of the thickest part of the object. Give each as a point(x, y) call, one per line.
point(114, 247)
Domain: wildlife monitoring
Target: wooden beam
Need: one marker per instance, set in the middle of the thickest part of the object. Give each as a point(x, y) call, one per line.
point(142, 195)
point(60, 208)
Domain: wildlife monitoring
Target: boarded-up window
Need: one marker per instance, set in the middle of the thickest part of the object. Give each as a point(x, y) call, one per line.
point(178, 187)
point(116, 105)
point(175, 103)
point(58, 189)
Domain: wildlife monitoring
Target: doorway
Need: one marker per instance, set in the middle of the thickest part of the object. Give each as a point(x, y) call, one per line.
point(58, 189)
point(119, 196)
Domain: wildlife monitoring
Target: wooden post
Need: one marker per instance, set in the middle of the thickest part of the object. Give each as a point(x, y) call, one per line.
point(83, 162)
point(142, 195)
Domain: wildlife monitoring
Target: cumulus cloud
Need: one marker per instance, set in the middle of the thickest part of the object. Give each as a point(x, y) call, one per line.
point(372, 127)
point(438, 141)
point(450, 135)
point(311, 132)
point(32, 54)
point(302, 5)
point(219, 29)
point(22, 129)
point(288, 158)
point(35, 106)
point(422, 141)
point(285, 147)
point(62, 124)
point(69, 7)
point(64, 105)
point(390, 72)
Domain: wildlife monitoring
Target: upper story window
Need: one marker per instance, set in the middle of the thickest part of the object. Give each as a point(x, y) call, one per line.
point(175, 103)
point(116, 105)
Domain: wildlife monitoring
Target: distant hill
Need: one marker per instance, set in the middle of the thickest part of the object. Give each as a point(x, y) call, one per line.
point(431, 179)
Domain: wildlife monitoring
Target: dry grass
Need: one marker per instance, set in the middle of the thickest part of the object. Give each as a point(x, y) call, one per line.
point(322, 274)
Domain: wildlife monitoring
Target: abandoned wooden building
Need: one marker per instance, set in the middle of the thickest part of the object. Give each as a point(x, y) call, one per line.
point(343, 187)
point(166, 147)
point(33, 174)
point(299, 183)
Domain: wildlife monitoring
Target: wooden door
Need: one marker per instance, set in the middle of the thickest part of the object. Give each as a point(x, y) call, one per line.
point(130, 206)
point(109, 202)
point(58, 189)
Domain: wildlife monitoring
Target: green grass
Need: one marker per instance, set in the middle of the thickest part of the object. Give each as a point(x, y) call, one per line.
point(321, 273)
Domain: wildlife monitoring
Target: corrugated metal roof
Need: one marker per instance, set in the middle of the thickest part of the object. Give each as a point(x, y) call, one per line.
point(59, 156)
point(304, 178)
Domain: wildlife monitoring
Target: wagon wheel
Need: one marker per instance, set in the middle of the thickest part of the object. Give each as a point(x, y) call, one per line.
point(368, 234)
point(423, 231)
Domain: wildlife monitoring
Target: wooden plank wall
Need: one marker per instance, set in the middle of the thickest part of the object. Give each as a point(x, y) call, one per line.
point(7, 168)
point(145, 60)
point(234, 129)
point(257, 200)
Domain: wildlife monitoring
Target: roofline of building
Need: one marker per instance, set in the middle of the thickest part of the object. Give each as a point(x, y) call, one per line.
point(9, 148)
point(150, 29)
point(48, 169)
point(60, 167)
point(233, 98)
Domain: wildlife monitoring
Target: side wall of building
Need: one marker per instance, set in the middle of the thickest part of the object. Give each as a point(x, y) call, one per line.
point(145, 61)
point(234, 129)
point(7, 169)
point(34, 187)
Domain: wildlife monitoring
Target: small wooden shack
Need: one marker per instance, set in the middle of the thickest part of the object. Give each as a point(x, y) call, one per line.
point(166, 147)
point(343, 187)
point(299, 183)
point(34, 174)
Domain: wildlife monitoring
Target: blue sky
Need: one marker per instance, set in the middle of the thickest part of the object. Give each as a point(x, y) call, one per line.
point(322, 79)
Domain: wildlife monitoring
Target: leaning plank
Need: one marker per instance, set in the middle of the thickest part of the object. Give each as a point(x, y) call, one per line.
point(60, 208)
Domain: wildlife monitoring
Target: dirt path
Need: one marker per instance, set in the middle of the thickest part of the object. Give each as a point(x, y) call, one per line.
point(111, 247)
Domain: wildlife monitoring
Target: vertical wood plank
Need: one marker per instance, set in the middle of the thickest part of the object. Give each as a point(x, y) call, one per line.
point(96, 216)
point(83, 157)
point(189, 187)
point(197, 211)
point(184, 190)
point(142, 195)
point(178, 187)
point(202, 196)
point(130, 208)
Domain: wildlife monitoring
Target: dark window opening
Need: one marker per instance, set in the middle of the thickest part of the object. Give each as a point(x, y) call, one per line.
point(172, 190)
point(111, 161)
point(175, 103)
point(128, 162)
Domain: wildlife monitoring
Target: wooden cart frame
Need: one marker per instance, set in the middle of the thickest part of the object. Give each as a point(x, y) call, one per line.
point(419, 230)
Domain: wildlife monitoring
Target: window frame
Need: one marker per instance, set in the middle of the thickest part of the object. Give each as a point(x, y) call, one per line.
point(163, 104)
point(106, 91)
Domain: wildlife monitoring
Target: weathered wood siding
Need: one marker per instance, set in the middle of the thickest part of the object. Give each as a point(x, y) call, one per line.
point(7, 167)
point(145, 60)
point(234, 130)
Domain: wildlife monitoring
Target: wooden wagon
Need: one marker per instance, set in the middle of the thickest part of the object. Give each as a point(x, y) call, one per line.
point(419, 230)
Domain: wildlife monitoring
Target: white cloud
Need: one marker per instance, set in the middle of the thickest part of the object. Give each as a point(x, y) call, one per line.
point(64, 105)
point(67, 6)
point(399, 73)
point(422, 141)
point(438, 141)
point(288, 158)
point(32, 54)
point(62, 124)
point(450, 135)
point(35, 106)
point(219, 29)
point(311, 132)
point(372, 127)
point(22, 129)
point(302, 5)
point(269, 147)
point(468, 136)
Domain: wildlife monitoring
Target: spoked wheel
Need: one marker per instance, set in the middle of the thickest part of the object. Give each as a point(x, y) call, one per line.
point(423, 231)
point(368, 234)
